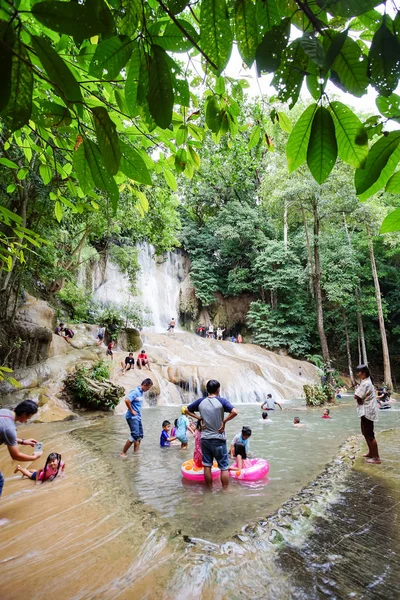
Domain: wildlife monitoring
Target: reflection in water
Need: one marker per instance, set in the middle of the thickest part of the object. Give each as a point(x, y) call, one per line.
point(114, 529)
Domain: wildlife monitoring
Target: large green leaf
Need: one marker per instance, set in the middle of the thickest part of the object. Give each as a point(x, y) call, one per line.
point(384, 58)
point(132, 82)
point(391, 222)
point(313, 48)
point(133, 165)
point(7, 40)
point(176, 6)
point(51, 114)
point(213, 114)
point(289, 76)
point(268, 54)
point(246, 30)
point(216, 35)
point(173, 39)
point(347, 8)
point(82, 169)
point(296, 147)
point(110, 57)
point(107, 139)
point(384, 175)
point(161, 95)
point(268, 15)
point(377, 161)
point(393, 185)
point(335, 46)
point(389, 106)
point(133, 10)
point(68, 17)
point(101, 177)
point(351, 67)
point(322, 146)
point(352, 138)
point(19, 107)
point(64, 82)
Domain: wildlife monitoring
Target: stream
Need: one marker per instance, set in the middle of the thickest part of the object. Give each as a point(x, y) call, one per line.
point(133, 529)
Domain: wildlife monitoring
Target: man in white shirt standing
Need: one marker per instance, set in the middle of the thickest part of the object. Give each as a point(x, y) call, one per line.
point(367, 409)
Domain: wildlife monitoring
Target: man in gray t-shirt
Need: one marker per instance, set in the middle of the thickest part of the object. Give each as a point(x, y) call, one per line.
point(213, 438)
point(8, 432)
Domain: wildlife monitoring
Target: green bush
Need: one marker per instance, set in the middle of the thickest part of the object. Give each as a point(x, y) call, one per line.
point(316, 395)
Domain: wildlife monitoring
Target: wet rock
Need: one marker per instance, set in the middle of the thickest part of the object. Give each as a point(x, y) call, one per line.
point(276, 537)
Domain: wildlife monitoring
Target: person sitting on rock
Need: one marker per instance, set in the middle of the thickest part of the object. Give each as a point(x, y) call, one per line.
point(60, 330)
point(142, 360)
point(128, 364)
point(69, 334)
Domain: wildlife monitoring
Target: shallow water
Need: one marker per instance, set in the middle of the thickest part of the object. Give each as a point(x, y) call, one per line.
point(114, 529)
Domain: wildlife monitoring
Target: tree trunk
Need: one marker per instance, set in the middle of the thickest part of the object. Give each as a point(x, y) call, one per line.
point(359, 349)
point(348, 349)
point(309, 253)
point(318, 291)
point(285, 224)
point(363, 347)
point(387, 375)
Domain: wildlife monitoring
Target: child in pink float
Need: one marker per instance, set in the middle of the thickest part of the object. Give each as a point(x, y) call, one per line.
point(197, 454)
point(54, 465)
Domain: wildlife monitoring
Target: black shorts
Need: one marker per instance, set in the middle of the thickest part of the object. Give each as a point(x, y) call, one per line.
point(367, 428)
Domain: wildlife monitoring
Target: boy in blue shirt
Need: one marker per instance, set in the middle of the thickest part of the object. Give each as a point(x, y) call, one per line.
point(164, 437)
point(133, 415)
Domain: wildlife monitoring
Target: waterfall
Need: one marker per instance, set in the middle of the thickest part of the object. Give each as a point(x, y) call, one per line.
point(158, 285)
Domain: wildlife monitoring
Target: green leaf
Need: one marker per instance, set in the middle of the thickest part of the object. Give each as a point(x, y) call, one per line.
point(377, 161)
point(216, 35)
point(107, 139)
point(46, 174)
point(268, 54)
point(384, 58)
point(284, 122)
point(101, 177)
point(132, 82)
point(70, 18)
point(213, 114)
point(22, 173)
point(8, 163)
point(181, 160)
point(176, 6)
point(170, 180)
point(173, 38)
point(347, 8)
point(335, 47)
point(6, 58)
point(19, 109)
point(267, 15)
point(82, 169)
point(133, 10)
point(62, 78)
point(352, 138)
point(313, 48)
point(50, 114)
point(350, 68)
point(133, 165)
point(393, 185)
point(11, 188)
point(110, 57)
point(296, 147)
point(143, 202)
point(246, 30)
point(322, 147)
point(161, 95)
point(391, 222)
point(289, 76)
point(255, 137)
point(389, 106)
point(58, 211)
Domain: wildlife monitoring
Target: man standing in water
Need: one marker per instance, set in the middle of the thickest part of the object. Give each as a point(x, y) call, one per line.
point(367, 409)
point(213, 437)
point(269, 403)
point(8, 432)
point(133, 415)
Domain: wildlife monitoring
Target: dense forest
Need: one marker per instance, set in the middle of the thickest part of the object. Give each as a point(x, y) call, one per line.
point(119, 125)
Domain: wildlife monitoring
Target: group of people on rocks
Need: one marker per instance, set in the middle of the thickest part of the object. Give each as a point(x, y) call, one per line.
point(64, 332)
point(129, 363)
point(217, 334)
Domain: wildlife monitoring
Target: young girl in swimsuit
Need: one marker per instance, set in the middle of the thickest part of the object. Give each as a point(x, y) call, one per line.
point(54, 465)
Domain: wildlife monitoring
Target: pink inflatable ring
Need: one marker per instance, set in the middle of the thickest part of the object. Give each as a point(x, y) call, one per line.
point(257, 469)
point(193, 473)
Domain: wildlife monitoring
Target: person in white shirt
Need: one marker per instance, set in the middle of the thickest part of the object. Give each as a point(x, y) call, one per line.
point(367, 410)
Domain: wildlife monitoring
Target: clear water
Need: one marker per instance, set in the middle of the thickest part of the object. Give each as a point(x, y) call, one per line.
point(296, 456)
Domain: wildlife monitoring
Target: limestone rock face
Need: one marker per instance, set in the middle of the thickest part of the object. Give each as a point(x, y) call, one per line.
point(129, 339)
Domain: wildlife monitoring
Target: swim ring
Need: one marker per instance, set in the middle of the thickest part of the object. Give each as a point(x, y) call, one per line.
point(257, 469)
point(193, 473)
